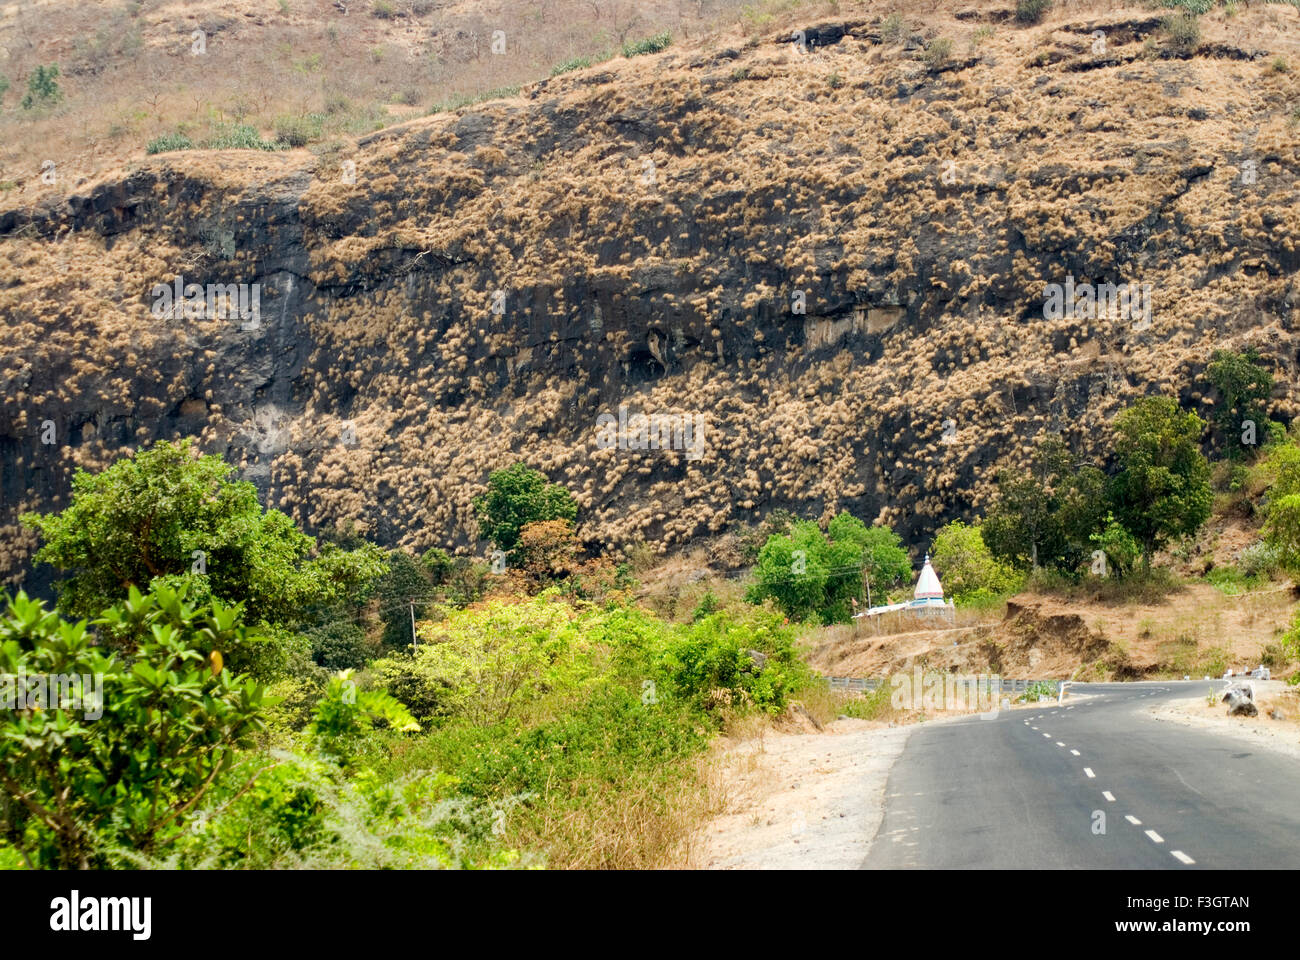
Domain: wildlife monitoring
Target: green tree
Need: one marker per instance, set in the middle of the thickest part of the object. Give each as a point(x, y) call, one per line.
point(517, 496)
point(810, 574)
point(403, 594)
point(1162, 489)
point(1282, 515)
point(1046, 514)
point(169, 515)
point(128, 764)
point(1243, 388)
point(42, 87)
point(883, 559)
point(966, 566)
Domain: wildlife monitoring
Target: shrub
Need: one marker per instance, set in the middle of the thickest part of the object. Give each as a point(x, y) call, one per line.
point(517, 496)
point(42, 88)
point(298, 131)
point(169, 142)
point(344, 715)
point(892, 28)
point(1031, 11)
point(937, 52)
point(709, 663)
point(1121, 549)
point(1183, 30)
point(239, 136)
point(487, 664)
point(170, 515)
point(383, 10)
point(660, 41)
point(340, 645)
point(814, 575)
point(573, 63)
point(126, 768)
point(1257, 561)
point(967, 568)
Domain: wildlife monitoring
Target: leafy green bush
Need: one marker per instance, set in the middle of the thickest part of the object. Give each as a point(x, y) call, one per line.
point(1162, 489)
point(1031, 11)
point(967, 568)
point(169, 142)
point(42, 88)
point(709, 662)
point(485, 665)
point(1121, 549)
point(814, 575)
point(298, 131)
point(127, 768)
point(339, 645)
point(169, 515)
point(1243, 387)
point(517, 496)
point(660, 41)
point(345, 715)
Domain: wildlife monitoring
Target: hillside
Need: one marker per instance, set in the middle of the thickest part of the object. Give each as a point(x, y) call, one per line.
point(642, 228)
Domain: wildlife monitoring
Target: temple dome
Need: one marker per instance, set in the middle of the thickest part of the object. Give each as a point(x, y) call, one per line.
point(928, 586)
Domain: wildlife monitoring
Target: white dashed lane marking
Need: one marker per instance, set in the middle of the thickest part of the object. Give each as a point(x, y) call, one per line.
point(1155, 837)
point(1088, 771)
point(1059, 743)
point(1133, 820)
point(1108, 795)
point(1182, 857)
point(1075, 752)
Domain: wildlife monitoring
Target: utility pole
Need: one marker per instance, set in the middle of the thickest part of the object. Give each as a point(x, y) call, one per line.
point(414, 643)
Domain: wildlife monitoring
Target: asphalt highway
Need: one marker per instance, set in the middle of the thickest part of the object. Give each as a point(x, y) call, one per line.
point(1032, 788)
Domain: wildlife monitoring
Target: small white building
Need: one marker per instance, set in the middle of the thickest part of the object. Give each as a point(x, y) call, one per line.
point(927, 599)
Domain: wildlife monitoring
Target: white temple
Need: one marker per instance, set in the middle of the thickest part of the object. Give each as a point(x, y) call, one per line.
point(927, 599)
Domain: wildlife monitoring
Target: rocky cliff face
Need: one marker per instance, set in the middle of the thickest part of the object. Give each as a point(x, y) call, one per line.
point(837, 253)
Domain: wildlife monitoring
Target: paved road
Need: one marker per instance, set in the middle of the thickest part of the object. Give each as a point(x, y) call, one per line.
point(1019, 790)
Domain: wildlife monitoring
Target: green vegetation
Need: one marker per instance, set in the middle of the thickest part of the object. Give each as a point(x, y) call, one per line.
point(937, 52)
point(1243, 387)
point(517, 496)
point(1162, 488)
point(811, 575)
point(969, 571)
point(573, 63)
point(660, 41)
point(123, 766)
point(172, 517)
point(1031, 11)
point(892, 28)
point(1183, 29)
point(42, 88)
point(526, 730)
point(169, 142)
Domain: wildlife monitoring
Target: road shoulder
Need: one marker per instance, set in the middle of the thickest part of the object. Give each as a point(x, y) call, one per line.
point(1281, 736)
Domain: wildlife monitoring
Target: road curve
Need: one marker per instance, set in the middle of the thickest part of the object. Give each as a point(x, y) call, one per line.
point(1023, 790)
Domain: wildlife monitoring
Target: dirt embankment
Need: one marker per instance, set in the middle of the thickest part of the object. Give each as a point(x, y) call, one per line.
point(1196, 631)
